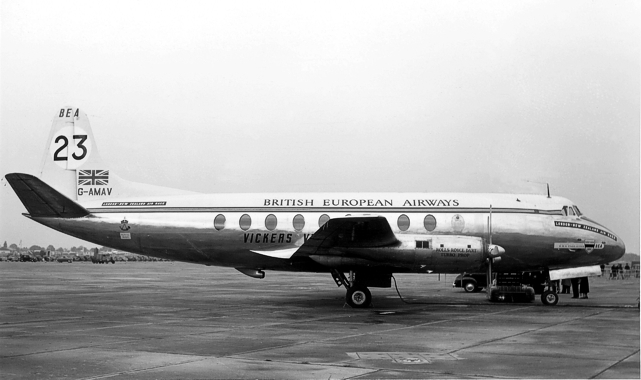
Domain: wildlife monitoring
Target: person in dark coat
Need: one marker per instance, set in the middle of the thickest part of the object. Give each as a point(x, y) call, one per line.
point(565, 285)
point(584, 287)
point(626, 273)
point(575, 287)
point(613, 271)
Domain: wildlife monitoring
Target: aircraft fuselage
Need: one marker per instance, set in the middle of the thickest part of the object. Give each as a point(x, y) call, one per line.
point(435, 232)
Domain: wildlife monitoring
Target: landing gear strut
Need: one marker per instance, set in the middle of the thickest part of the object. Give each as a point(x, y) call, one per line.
point(358, 295)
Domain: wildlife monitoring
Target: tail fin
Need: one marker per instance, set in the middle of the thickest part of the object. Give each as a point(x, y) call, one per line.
point(41, 200)
point(73, 166)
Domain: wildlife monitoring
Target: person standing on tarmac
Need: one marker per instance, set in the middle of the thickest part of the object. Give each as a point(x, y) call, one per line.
point(584, 287)
point(575, 287)
point(566, 283)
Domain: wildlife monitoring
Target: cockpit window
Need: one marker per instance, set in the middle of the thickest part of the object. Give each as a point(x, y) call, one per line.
point(578, 212)
point(568, 211)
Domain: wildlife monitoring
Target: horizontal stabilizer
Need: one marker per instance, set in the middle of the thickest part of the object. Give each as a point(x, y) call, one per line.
point(41, 200)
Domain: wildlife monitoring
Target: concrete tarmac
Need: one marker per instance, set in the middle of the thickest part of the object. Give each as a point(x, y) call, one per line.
point(163, 320)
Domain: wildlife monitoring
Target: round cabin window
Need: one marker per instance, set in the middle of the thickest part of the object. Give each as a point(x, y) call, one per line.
point(219, 222)
point(322, 220)
point(403, 222)
point(299, 222)
point(245, 222)
point(271, 222)
point(430, 223)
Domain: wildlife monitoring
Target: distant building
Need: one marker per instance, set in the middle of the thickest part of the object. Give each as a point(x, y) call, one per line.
point(4, 252)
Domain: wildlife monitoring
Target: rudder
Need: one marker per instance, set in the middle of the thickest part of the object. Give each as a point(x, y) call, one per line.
point(73, 166)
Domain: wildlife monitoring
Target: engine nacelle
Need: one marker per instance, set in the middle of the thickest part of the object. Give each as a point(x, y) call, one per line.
point(454, 254)
point(437, 253)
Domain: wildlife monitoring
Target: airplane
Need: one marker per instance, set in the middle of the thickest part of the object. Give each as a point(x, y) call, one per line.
point(361, 239)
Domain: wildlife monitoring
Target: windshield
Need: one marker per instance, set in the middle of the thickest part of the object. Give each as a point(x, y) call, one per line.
point(571, 211)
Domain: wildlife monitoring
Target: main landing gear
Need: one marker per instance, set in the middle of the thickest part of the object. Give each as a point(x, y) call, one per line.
point(358, 295)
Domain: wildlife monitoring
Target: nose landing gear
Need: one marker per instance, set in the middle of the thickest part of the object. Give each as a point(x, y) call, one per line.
point(550, 298)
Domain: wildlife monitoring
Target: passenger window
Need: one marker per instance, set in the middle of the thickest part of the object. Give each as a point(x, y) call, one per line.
point(271, 222)
point(219, 222)
point(245, 222)
point(403, 222)
point(299, 222)
point(322, 220)
point(430, 223)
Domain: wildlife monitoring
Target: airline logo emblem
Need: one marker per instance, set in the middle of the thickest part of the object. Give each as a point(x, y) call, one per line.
point(93, 178)
point(124, 225)
point(589, 246)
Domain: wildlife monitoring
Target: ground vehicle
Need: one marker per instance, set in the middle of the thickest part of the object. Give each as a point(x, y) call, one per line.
point(102, 258)
point(470, 282)
point(511, 287)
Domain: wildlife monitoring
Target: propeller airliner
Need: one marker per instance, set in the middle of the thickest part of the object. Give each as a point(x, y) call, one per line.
point(361, 239)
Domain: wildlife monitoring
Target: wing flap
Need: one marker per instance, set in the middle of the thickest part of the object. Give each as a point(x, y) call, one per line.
point(279, 253)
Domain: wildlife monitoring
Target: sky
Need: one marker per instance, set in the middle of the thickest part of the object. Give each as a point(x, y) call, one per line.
point(302, 96)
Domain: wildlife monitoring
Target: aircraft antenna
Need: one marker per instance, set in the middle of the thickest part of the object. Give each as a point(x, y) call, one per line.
point(548, 190)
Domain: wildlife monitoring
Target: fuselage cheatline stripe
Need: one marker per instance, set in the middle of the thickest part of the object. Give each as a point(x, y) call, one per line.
point(319, 210)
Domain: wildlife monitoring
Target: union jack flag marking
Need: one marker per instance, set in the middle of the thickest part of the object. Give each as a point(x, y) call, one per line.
point(93, 178)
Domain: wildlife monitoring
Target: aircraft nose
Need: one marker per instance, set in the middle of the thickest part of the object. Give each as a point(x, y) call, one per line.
point(621, 247)
point(617, 250)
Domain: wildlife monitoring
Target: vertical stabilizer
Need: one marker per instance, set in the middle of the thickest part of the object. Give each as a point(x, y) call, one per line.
point(73, 166)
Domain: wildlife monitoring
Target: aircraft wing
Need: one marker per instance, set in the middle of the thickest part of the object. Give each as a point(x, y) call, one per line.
point(349, 232)
point(340, 234)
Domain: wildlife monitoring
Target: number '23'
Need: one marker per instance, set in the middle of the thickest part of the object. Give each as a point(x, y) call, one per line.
point(65, 142)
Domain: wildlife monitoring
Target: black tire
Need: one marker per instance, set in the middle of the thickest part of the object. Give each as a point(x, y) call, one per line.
point(470, 287)
point(549, 298)
point(358, 297)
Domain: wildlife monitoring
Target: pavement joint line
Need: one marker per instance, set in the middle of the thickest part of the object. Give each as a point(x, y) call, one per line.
point(524, 332)
point(620, 361)
point(106, 376)
point(65, 349)
point(367, 333)
point(218, 357)
point(438, 374)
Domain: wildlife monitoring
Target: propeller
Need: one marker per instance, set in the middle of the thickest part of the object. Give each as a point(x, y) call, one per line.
point(494, 253)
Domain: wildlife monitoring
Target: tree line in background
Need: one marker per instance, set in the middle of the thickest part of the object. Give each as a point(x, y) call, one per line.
point(34, 248)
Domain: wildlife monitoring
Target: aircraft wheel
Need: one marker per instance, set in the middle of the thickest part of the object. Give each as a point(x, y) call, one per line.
point(549, 298)
point(358, 297)
point(470, 287)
